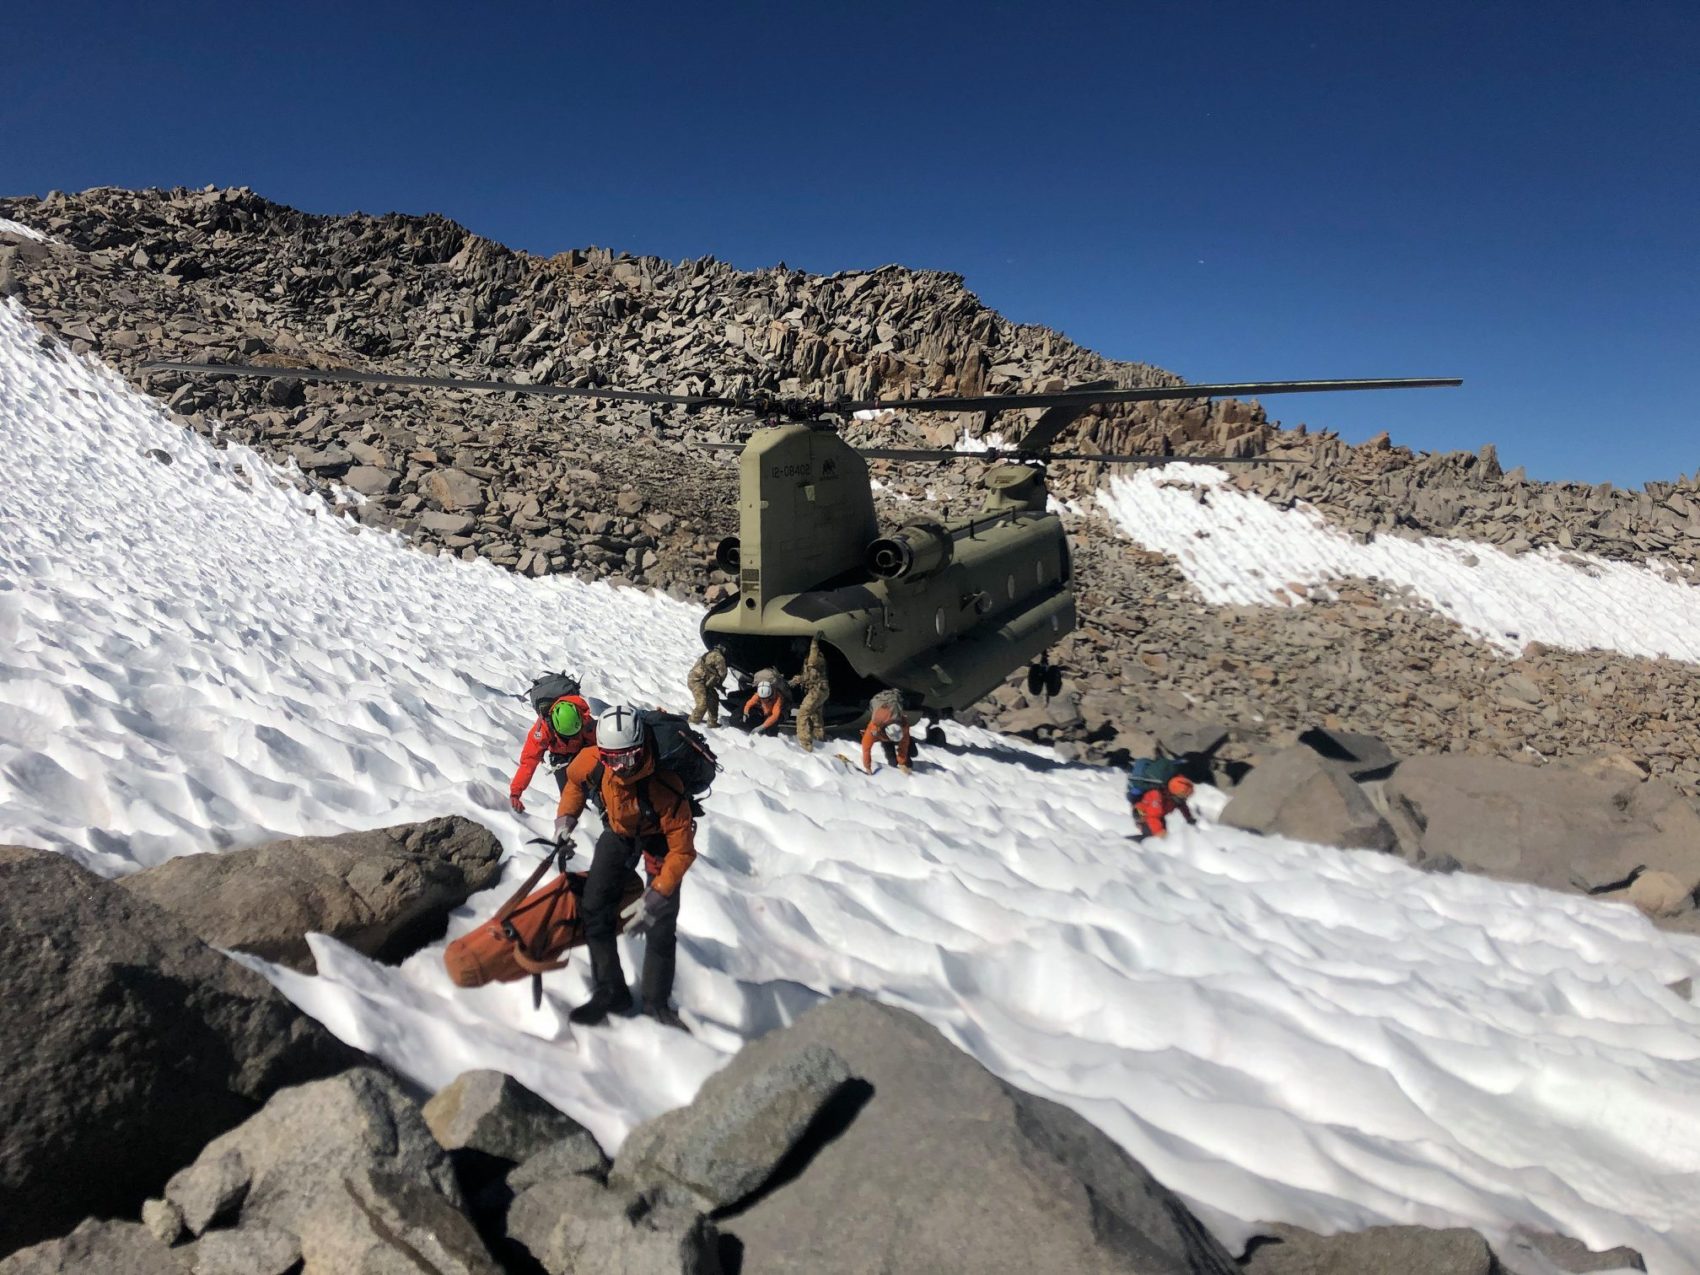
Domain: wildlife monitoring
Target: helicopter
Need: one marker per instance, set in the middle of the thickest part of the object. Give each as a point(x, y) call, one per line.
point(940, 612)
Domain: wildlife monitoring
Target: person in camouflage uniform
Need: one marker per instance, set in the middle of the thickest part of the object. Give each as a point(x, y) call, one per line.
point(811, 719)
point(705, 679)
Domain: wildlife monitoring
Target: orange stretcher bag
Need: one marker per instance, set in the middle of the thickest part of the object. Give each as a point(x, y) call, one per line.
point(530, 933)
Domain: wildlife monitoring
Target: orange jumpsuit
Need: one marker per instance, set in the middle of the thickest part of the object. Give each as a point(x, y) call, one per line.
point(775, 709)
point(875, 732)
point(1153, 810)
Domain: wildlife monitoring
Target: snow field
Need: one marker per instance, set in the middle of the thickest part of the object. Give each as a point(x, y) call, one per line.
point(195, 656)
point(1239, 550)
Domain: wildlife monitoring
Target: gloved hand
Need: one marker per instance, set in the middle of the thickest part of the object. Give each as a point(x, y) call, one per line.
point(564, 825)
point(645, 911)
point(516, 804)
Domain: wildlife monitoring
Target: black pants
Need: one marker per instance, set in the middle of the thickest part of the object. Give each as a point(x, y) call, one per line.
point(614, 860)
point(558, 763)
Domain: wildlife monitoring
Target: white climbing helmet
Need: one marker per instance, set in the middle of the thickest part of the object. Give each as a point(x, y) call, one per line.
point(893, 732)
point(764, 689)
point(619, 738)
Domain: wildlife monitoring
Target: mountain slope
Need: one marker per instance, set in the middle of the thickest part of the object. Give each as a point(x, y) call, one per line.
point(193, 654)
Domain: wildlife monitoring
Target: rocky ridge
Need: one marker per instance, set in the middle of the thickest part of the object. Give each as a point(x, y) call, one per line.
point(609, 490)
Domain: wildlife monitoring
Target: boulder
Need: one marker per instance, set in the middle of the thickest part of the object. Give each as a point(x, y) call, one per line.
point(489, 1123)
point(385, 893)
point(1553, 825)
point(1185, 736)
point(129, 1043)
point(568, 1157)
point(207, 1191)
point(1363, 757)
point(1299, 794)
point(348, 1167)
point(1384, 1250)
point(744, 1120)
point(1534, 1253)
point(573, 1226)
point(454, 490)
point(97, 1247)
point(246, 1250)
point(933, 1164)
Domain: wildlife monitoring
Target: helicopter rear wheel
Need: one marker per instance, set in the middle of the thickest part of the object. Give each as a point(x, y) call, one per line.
point(935, 734)
point(1053, 681)
point(1035, 679)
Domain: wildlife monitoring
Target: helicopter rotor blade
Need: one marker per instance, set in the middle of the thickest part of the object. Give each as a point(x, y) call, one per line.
point(1142, 394)
point(437, 383)
point(1004, 453)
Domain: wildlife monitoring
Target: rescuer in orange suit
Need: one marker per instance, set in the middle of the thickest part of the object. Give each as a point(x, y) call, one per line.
point(766, 700)
point(889, 727)
point(1151, 812)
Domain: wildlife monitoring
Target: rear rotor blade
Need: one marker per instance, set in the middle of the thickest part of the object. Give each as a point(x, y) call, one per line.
point(436, 383)
point(1142, 394)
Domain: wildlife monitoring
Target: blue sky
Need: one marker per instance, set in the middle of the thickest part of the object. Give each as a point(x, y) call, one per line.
point(1503, 191)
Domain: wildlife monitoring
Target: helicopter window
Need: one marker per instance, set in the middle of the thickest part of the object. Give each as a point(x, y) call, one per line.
point(750, 602)
point(1012, 588)
point(1039, 571)
point(938, 622)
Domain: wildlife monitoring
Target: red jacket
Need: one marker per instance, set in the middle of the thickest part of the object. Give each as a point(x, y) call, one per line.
point(541, 738)
point(1154, 808)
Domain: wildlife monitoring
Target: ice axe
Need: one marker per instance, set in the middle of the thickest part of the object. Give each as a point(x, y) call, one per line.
point(559, 853)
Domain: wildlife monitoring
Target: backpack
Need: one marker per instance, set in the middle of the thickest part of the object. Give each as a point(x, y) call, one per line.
point(550, 687)
point(1147, 773)
point(679, 750)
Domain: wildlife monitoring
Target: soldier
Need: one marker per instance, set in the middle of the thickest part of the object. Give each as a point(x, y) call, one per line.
point(811, 720)
point(705, 679)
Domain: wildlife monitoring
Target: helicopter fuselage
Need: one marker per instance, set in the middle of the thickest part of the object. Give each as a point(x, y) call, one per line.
point(942, 613)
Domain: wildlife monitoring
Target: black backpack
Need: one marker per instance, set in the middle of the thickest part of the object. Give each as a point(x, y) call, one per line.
point(680, 749)
point(550, 687)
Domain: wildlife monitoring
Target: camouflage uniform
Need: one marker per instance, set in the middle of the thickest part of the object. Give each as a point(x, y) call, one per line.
point(705, 679)
point(811, 720)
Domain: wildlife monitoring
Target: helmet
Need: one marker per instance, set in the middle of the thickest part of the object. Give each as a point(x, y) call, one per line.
point(894, 731)
point(619, 739)
point(764, 689)
point(1180, 786)
point(565, 718)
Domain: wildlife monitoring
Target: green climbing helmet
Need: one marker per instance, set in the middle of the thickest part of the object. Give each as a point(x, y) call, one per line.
point(566, 719)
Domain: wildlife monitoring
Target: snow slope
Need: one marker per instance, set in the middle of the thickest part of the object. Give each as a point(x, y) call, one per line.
point(1238, 549)
point(194, 656)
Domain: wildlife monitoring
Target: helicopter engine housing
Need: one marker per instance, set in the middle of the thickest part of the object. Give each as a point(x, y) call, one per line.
point(911, 553)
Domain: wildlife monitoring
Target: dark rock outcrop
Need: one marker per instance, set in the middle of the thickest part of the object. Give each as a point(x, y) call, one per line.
point(933, 1164)
point(129, 1043)
point(1300, 794)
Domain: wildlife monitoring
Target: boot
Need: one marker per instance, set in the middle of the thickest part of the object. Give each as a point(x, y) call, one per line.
point(603, 1001)
point(667, 1016)
point(609, 993)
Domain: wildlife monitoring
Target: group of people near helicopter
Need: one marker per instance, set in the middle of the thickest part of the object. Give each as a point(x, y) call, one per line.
point(648, 806)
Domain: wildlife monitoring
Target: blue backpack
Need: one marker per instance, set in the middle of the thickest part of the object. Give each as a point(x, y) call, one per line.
point(1147, 773)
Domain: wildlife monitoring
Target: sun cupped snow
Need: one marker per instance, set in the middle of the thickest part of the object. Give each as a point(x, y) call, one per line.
point(1237, 549)
point(194, 655)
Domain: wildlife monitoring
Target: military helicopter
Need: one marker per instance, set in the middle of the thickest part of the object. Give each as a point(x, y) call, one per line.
point(942, 613)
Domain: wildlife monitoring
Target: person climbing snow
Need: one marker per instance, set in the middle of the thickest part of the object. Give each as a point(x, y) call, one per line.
point(563, 729)
point(811, 713)
point(888, 725)
point(1152, 809)
point(646, 812)
point(767, 703)
point(706, 678)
